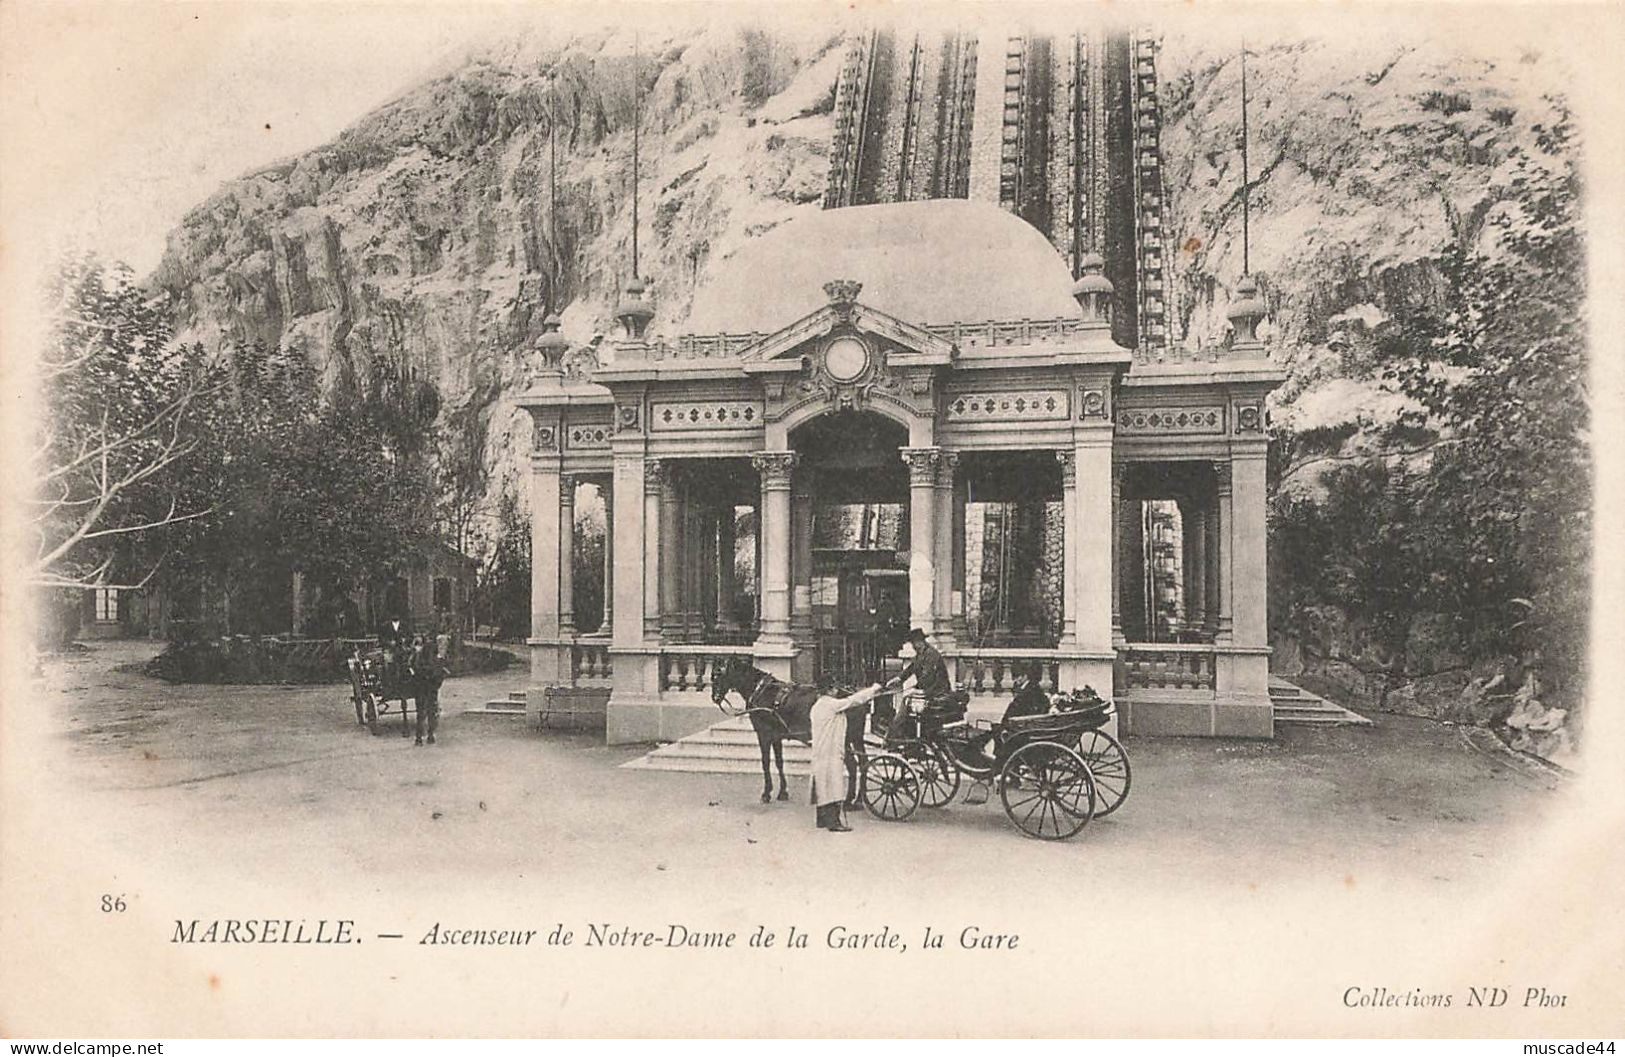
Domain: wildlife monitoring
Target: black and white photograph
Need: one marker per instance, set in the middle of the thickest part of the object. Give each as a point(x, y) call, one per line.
point(754, 520)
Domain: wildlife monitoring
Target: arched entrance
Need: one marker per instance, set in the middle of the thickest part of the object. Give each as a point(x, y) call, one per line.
point(850, 569)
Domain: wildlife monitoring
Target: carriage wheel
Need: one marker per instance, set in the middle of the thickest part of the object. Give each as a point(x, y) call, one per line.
point(939, 778)
point(1108, 763)
point(1047, 790)
point(891, 787)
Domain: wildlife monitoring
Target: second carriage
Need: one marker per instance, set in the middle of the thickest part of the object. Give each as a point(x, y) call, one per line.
point(1054, 771)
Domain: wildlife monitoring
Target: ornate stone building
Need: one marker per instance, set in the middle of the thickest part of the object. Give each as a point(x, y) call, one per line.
point(950, 400)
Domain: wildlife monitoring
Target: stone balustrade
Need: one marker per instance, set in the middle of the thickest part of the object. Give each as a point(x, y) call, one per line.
point(693, 668)
point(590, 663)
point(1166, 666)
point(995, 671)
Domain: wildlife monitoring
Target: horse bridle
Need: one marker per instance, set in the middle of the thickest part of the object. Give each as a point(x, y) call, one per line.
point(750, 701)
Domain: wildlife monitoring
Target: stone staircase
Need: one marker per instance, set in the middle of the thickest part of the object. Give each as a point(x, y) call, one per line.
point(1296, 706)
point(512, 705)
point(728, 747)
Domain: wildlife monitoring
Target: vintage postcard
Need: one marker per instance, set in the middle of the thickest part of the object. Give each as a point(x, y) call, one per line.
point(779, 520)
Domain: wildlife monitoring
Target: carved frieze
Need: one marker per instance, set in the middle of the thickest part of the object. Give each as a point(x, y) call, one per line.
point(1026, 405)
point(628, 418)
point(692, 415)
point(586, 435)
point(1183, 420)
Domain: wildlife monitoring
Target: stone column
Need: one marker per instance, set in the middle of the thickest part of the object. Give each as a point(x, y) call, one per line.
point(1069, 550)
point(706, 567)
point(1210, 566)
point(671, 542)
point(1196, 532)
point(544, 548)
point(610, 491)
point(1186, 564)
point(943, 588)
point(1117, 553)
point(654, 481)
point(1227, 549)
point(693, 541)
point(774, 468)
point(801, 559)
point(1134, 570)
point(627, 554)
point(1249, 594)
point(727, 588)
point(1092, 499)
point(958, 604)
point(567, 554)
point(922, 541)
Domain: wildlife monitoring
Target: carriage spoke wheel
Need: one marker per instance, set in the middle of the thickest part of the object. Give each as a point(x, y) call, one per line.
point(939, 778)
point(891, 787)
point(1047, 790)
point(1108, 764)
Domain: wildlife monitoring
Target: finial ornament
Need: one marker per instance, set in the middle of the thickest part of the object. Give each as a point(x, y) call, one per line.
point(1093, 291)
point(1247, 312)
point(552, 346)
point(634, 312)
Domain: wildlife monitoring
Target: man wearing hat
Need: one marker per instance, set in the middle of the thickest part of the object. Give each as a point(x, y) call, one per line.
point(930, 672)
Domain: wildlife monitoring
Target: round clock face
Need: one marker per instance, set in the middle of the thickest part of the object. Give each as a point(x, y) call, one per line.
point(845, 359)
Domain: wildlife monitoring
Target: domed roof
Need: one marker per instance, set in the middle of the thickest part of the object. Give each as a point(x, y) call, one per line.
point(939, 261)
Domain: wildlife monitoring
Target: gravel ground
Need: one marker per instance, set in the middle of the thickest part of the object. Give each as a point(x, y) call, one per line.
point(1242, 887)
point(492, 797)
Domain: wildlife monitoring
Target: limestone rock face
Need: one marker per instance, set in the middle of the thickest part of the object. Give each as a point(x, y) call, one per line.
point(424, 232)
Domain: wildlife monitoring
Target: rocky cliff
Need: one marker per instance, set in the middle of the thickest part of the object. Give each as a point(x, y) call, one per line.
point(426, 230)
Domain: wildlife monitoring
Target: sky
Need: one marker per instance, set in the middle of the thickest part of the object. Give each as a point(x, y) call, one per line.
point(122, 118)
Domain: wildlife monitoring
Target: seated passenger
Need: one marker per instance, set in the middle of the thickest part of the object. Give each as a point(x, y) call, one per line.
point(929, 670)
point(1030, 699)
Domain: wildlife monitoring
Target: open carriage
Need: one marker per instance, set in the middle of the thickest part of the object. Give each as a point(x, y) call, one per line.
point(391, 680)
point(1054, 771)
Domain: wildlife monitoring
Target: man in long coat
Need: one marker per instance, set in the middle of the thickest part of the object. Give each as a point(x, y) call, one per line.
point(828, 720)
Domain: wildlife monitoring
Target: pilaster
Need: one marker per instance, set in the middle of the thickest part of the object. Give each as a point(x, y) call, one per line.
point(1092, 504)
point(1227, 549)
point(922, 486)
point(775, 468)
point(943, 525)
point(625, 621)
point(654, 483)
point(1069, 548)
point(567, 545)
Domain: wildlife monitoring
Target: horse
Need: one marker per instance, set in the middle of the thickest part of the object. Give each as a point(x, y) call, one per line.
point(778, 710)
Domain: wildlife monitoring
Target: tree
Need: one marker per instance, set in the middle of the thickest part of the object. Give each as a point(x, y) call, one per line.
point(120, 418)
point(1501, 371)
point(337, 487)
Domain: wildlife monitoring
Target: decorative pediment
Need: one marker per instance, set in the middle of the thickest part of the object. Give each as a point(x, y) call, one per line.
point(855, 316)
